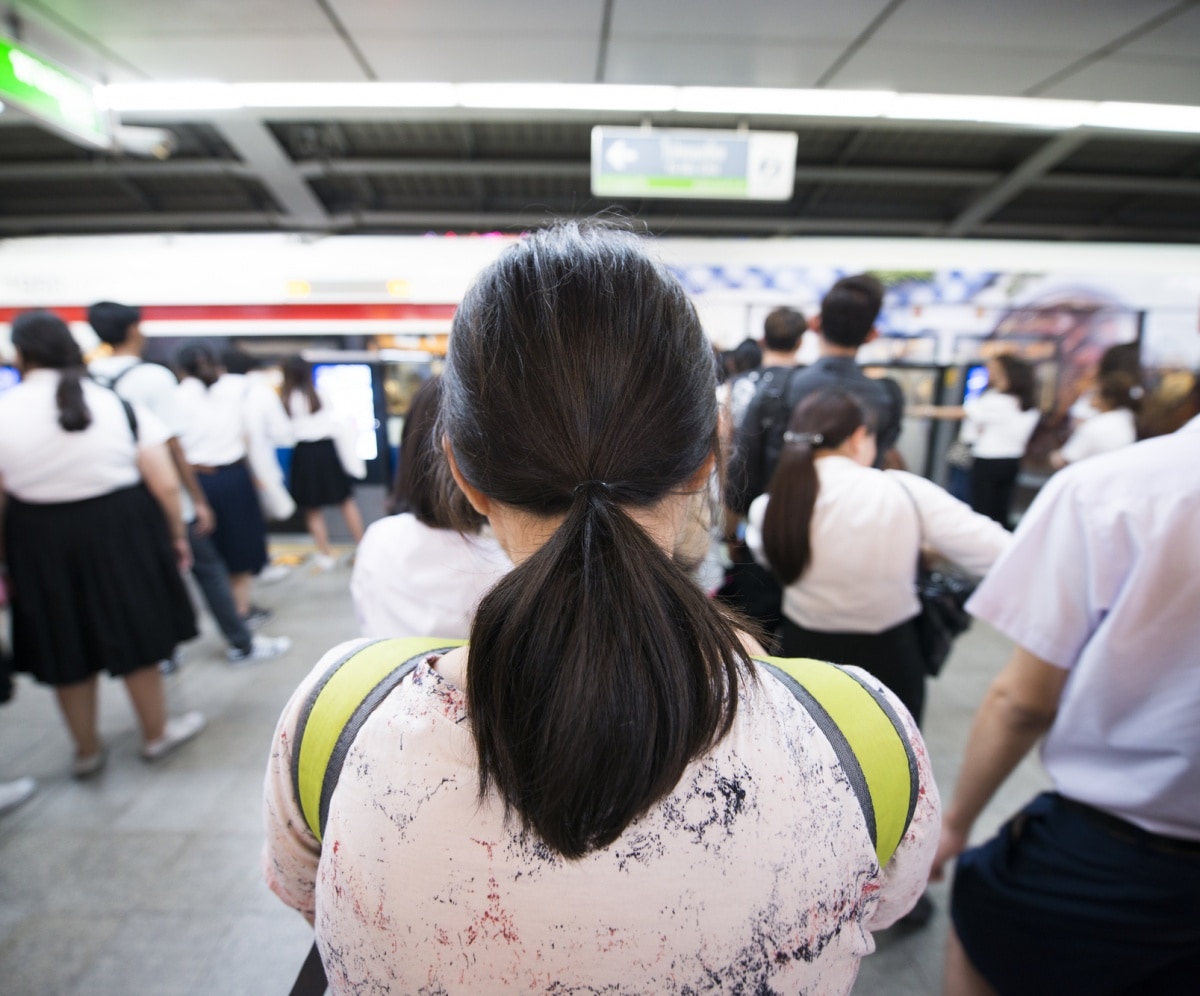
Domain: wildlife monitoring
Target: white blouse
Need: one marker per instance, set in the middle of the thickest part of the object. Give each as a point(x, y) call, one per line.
point(1102, 433)
point(42, 462)
point(309, 426)
point(865, 537)
point(756, 873)
point(997, 427)
point(214, 433)
point(412, 580)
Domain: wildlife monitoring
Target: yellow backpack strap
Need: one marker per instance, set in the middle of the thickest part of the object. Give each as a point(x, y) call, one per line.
point(336, 709)
point(867, 737)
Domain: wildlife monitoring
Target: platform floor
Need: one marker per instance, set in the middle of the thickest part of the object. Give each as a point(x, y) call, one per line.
point(145, 881)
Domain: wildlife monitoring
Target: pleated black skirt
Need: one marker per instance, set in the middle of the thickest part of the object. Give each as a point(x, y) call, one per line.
point(241, 533)
point(95, 586)
point(317, 478)
point(893, 656)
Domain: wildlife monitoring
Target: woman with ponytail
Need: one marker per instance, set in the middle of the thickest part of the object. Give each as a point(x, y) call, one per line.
point(94, 540)
point(602, 791)
point(843, 538)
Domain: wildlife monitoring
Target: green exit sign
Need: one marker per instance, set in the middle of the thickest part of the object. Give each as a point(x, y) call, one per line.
point(51, 95)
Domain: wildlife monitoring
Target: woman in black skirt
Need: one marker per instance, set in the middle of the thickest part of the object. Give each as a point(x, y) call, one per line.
point(843, 538)
point(94, 542)
point(318, 479)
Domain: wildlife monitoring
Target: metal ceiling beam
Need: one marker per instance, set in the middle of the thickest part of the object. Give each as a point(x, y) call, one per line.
point(253, 142)
point(1035, 166)
point(834, 175)
point(124, 168)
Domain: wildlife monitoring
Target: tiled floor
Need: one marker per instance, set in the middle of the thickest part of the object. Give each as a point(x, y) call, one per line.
point(145, 881)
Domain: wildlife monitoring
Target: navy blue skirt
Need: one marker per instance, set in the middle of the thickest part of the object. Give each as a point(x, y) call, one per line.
point(241, 533)
point(95, 586)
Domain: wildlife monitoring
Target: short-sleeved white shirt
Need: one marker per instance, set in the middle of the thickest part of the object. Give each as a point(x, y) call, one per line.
point(997, 427)
point(42, 462)
point(214, 433)
point(1102, 580)
point(413, 580)
point(310, 426)
point(865, 537)
point(1102, 433)
point(149, 384)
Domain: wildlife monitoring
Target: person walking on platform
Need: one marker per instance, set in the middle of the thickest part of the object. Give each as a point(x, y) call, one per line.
point(603, 791)
point(214, 444)
point(318, 479)
point(155, 387)
point(1091, 888)
point(94, 541)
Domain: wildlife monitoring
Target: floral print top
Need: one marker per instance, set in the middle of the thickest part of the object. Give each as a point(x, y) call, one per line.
point(755, 875)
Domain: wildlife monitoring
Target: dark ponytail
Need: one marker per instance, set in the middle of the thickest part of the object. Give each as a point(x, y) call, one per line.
point(822, 421)
point(44, 341)
point(198, 361)
point(579, 384)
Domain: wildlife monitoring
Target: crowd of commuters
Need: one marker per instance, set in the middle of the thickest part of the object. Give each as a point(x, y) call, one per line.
point(609, 785)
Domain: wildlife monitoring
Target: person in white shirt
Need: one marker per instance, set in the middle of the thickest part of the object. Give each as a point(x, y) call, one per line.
point(1091, 888)
point(1116, 400)
point(422, 570)
point(214, 441)
point(156, 388)
point(844, 537)
point(318, 479)
point(999, 424)
point(94, 542)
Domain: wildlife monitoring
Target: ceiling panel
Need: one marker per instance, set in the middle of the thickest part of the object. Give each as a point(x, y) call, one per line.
point(797, 20)
point(944, 149)
point(1142, 78)
point(1067, 27)
point(972, 68)
point(1124, 155)
point(735, 62)
point(109, 18)
point(1179, 38)
point(445, 17)
point(246, 58)
point(481, 58)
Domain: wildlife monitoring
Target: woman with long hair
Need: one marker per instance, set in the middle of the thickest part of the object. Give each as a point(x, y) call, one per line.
point(317, 477)
point(998, 425)
point(94, 542)
point(602, 791)
point(421, 570)
point(843, 539)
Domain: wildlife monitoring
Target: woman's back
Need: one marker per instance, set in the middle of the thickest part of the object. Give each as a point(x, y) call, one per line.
point(755, 871)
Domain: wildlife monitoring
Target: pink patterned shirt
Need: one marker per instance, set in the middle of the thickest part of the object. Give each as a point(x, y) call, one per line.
point(756, 873)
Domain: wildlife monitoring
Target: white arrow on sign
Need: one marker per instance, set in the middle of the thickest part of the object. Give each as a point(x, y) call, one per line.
point(621, 155)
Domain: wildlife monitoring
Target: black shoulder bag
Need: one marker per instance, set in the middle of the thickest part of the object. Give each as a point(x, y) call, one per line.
point(943, 595)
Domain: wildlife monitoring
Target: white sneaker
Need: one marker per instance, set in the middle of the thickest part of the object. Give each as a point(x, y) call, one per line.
point(273, 573)
point(262, 648)
point(177, 732)
point(12, 794)
point(323, 562)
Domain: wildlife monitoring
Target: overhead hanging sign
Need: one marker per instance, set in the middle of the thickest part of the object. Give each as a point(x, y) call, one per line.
point(706, 165)
point(51, 95)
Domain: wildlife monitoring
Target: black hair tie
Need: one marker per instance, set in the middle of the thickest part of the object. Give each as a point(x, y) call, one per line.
point(593, 491)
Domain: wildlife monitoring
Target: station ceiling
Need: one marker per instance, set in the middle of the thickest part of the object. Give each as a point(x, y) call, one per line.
point(399, 170)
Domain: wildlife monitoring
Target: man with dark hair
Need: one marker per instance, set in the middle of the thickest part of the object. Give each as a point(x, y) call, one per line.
point(846, 322)
point(155, 386)
point(782, 331)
